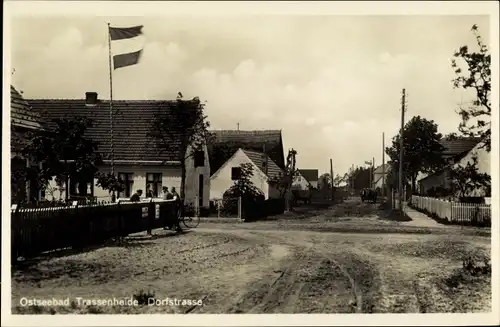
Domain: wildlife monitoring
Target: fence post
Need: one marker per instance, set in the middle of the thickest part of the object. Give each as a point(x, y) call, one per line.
point(14, 247)
point(240, 209)
point(151, 216)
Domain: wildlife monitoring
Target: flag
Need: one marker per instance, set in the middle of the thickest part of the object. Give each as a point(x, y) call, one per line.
point(124, 33)
point(368, 162)
point(126, 59)
point(121, 33)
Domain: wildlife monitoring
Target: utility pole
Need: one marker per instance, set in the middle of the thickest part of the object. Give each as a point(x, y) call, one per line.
point(331, 177)
point(238, 126)
point(383, 163)
point(352, 178)
point(369, 173)
point(401, 150)
point(372, 186)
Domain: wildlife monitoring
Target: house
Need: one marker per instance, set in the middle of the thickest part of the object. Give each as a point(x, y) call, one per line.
point(457, 152)
point(23, 120)
point(306, 179)
point(138, 158)
point(378, 175)
point(225, 143)
point(264, 170)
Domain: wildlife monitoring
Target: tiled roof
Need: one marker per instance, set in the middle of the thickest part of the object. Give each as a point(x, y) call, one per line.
point(21, 114)
point(258, 159)
point(131, 124)
point(380, 170)
point(311, 175)
point(456, 147)
point(227, 142)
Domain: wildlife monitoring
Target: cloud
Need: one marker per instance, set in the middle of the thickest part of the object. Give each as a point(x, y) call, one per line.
point(332, 90)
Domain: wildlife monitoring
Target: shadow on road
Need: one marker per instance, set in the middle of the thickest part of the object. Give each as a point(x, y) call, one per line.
point(132, 241)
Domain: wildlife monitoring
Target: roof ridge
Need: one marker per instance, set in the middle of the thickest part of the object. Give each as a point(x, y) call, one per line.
point(245, 130)
point(251, 151)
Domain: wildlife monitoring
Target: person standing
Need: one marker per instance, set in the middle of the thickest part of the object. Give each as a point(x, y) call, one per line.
point(177, 210)
point(167, 196)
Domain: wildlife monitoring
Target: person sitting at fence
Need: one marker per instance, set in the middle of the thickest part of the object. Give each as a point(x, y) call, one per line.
point(174, 193)
point(136, 197)
point(166, 194)
point(149, 194)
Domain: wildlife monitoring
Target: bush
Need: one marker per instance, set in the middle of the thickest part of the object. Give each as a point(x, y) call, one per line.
point(143, 297)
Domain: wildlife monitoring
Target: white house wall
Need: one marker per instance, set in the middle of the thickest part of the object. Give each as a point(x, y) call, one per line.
point(483, 163)
point(171, 177)
point(192, 179)
point(300, 183)
point(483, 159)
point(221, 180)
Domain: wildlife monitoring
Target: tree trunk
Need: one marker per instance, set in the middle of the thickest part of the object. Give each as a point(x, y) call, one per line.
point(183, 183)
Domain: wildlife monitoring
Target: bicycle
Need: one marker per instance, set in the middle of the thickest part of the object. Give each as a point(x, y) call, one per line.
point(190, 221)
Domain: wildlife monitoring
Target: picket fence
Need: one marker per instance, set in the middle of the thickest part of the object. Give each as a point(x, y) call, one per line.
point(454, 212)
point(37, 230)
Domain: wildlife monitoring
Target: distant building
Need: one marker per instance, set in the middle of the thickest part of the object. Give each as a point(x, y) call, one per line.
point(378, 175)
point(23, 120)
point(306, 179)
point(457, 152)
point(138, 158)
point(265, 169)
point(227, 142)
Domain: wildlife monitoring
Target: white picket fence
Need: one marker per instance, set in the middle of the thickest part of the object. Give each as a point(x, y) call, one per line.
point(453, 211)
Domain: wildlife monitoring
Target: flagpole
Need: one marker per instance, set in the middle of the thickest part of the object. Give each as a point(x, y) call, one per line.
point(111, 103)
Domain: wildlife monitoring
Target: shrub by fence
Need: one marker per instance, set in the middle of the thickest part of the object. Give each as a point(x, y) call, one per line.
point(255, 210)
point(454, 212)
point(38, 230)
point(250, 209)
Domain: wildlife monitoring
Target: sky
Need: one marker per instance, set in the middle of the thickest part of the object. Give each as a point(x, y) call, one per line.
point(332, 84)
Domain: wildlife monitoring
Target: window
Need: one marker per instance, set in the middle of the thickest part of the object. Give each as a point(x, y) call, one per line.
point(129, 182)
point(199, 158)
point(153, 184)
point(235, 173)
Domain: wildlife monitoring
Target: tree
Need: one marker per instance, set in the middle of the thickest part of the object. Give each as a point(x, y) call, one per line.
point(110, 182)
point(337, 180)
point(422, 150)
point(242, 188)
point(476, 75)
point(65, 152)
point(284, 181)
point(324, 181)
point(182, 129)
point(360, 178)
point(465, 179)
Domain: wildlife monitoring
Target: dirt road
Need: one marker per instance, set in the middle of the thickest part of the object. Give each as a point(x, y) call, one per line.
point(322, 264)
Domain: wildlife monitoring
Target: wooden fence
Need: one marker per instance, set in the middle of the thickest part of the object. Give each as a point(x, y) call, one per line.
point(454, 212)
point(38, 230)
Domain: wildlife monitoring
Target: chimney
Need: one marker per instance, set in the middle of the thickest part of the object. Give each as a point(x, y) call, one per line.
point(91, 98)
